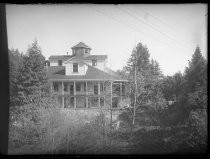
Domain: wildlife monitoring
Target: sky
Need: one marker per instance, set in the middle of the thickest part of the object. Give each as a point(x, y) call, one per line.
point(171, 32)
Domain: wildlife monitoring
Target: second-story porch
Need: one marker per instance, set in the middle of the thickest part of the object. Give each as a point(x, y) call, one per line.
point(90, 94)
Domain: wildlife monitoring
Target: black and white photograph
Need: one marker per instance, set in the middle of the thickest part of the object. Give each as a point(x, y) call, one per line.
point(107, 78)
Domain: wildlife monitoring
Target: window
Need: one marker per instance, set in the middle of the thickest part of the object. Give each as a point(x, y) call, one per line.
point(114, 102)
point(72, 102)
point(86, 51)
point(94, 62)
point(102, 101)
point(101, 87)
point(65, 87)
point(85, 86)
point(71, 89)
point(55, 85)
point(75, 67)
point(96, 89)
point(59, 62)
point(78, 88)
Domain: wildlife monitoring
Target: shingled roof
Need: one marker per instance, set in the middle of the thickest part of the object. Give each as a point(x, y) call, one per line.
point(81, 45)
point(58, 73)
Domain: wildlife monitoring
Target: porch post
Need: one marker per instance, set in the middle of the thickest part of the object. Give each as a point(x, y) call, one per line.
point(62, 95)
point(86, 92)
point(75, 94)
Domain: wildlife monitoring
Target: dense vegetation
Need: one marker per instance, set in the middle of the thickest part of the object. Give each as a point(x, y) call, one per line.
point(149, 125)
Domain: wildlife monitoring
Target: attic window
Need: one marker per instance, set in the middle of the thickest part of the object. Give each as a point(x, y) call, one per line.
point(94, 62)
point(75, 67)
point(59, 62)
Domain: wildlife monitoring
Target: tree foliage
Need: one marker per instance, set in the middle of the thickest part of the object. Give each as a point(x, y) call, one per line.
point(30, 76)
point(145, 77)
point(15, 63)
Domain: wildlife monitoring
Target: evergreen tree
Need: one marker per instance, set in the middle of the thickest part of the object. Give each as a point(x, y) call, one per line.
point(196, 85)
point(196, 72)
point(144, 77)
point(32, 78)
point(15, 62)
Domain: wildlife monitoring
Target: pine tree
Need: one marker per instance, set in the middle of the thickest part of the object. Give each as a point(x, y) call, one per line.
point(32, 78)
point(196, 77)
point(196, 72)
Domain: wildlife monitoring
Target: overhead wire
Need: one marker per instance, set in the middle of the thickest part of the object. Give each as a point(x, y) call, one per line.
point(153, 38)
point(154, 28)
point(161, 21)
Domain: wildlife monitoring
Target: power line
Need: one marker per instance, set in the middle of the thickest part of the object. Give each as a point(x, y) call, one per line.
point(135, 17)
point(130, 26)
point(165, 24)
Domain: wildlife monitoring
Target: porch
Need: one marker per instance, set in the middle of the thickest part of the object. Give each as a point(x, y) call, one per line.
point(90, 94)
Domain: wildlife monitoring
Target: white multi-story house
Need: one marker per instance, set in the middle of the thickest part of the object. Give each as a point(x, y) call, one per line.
point(82, 80)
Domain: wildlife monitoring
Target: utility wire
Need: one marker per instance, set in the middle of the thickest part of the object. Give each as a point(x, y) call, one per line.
point(138, 19)
point(153, 38)
point(165, 24)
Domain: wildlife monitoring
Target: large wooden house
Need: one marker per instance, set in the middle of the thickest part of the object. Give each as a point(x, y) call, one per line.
point(82, 80)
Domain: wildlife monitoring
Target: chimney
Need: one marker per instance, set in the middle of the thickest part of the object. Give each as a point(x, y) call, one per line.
point(67, 53)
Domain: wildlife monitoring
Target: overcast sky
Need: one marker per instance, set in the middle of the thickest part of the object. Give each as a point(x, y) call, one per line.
point(170, 32)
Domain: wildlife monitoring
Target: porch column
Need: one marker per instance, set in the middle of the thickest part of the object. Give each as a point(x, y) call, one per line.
point(121, 94)
point(99, 94)
point(75, 94)
point(86, 93)
point(62, 95)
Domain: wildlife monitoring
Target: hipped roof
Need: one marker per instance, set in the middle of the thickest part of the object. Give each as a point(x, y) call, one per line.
point(58, 73)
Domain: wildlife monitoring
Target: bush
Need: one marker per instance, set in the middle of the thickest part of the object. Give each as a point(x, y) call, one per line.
point(44, 128)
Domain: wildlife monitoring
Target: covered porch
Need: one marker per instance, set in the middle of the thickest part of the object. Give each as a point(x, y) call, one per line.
point(90, 94)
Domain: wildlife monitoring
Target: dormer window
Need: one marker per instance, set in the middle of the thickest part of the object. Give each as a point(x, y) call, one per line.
point(94, 62)
point(59, 62)
point(86, 51)
point(75, 67)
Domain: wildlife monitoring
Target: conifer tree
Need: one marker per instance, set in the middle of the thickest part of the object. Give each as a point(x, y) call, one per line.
point(32, 78)
point(15, 62)
point(196, 77)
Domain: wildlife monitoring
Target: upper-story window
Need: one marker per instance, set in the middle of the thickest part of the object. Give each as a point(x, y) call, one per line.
point(75, 67)
point(86, 51)
point(94, 62)
point(59, 62)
